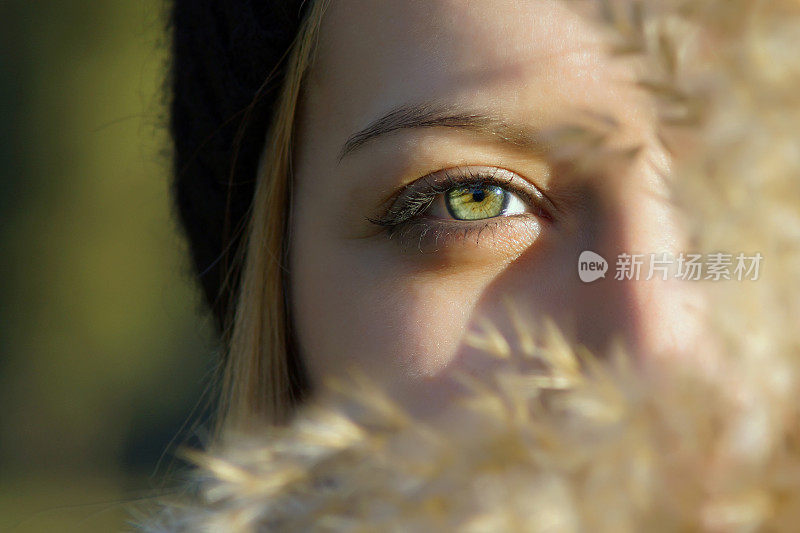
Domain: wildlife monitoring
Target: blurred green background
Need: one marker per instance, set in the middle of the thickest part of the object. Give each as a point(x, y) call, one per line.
point(105, 350)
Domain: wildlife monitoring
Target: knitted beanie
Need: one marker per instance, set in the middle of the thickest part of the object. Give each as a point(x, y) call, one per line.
point(227, 67)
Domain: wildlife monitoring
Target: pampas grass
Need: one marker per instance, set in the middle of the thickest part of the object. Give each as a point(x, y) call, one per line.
point(584, 443)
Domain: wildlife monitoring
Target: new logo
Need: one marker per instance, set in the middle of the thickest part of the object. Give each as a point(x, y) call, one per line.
point(591, 266)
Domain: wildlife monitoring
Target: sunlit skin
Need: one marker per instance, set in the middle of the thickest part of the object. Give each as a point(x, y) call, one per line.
point(398, 301)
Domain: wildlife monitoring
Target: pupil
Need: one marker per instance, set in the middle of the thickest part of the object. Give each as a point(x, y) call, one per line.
point(478, 195)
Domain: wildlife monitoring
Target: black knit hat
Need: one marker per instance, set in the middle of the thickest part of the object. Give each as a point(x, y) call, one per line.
point(227, 64)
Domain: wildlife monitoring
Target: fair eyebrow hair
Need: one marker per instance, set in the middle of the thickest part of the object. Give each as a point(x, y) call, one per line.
point(445, 116)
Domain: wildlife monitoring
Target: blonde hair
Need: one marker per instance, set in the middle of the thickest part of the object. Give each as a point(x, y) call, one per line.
point(256, 381)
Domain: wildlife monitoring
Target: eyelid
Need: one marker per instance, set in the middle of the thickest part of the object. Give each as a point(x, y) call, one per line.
point(426, 188)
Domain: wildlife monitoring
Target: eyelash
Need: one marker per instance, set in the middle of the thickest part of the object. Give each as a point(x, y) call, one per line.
point(405, 217)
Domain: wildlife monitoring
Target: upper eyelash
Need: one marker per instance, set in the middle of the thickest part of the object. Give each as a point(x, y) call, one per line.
point(420, 199)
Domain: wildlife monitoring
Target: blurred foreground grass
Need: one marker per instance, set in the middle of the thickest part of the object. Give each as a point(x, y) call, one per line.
point(103, 352)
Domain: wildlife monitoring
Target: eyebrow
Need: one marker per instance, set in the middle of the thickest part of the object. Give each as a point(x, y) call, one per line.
point(442, 116)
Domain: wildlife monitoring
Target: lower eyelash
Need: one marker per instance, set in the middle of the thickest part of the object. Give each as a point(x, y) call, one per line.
point(430, 235)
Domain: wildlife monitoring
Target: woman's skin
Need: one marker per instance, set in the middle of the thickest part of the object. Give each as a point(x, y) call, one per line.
point(490, 81)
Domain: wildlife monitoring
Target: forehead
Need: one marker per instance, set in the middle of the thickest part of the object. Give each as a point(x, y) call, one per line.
point(533, 59)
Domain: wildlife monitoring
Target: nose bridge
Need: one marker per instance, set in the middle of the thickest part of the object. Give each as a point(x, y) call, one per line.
point(607, 307)
point(629, 229)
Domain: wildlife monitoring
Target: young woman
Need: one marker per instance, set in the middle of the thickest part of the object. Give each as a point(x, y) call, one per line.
point(361, 190)
point(368, 184)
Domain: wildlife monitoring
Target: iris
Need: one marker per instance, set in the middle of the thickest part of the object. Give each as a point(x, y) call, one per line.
point(476, 202)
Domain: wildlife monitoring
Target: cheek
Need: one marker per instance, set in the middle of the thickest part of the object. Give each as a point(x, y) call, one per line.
point(354, 305)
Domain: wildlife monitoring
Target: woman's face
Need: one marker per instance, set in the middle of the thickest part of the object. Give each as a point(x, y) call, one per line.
point(426, 194)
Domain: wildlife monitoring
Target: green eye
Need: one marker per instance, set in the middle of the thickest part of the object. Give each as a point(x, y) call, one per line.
point(476, 202)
